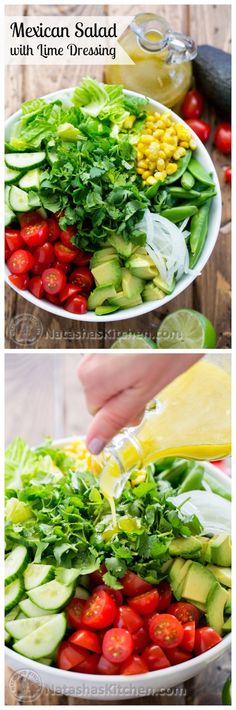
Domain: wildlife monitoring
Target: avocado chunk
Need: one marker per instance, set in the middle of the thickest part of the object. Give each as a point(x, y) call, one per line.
point(123, 302)
point(99, 295)
point(122, 247)
point(105, 310)
point(198, 583)
point(215, 605)
point(212, 71)
point(106, 254)
point(141, 265)
point(227, 625)
point(131, 285)
point(152, 293)
point(108, 273)
point(222, 574)
point(177, 575)
point(163, 285)
point(201, 607)
point(185, 547)
point(220, 548)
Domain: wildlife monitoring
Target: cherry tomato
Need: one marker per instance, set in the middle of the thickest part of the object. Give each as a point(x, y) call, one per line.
point(165, 595)
point(20, 261)
point(74, 612)
point(193, 105)
point(133, 584)
point(165, 630)
point(145, 603)
point(83, 278)
point(20, 281)
point(44, 257)
point(86, 639)
point(228, 174)
point(8, 252)
point(53, 280)
point(117, 645)
point(105, 667)
point(64, 254)
point(140, 640)
point(155, 658)
point(176, 655)
point(99, 610)
point(34, 235)
point(53, 229)
point(222, 138)
point(53, 299)
point(116, 594)
point(205, 638)
point(96, 577)
point(133, 666)
point(201, 128)
point(63, 267)
point(188, 639)
point(184, 612)
point(76, 304)
point(128, 619)
point(83, 258)
point(13, 239)
point(29, 218)
point(69, 656)
point(36, 286)
point(66, 236)
point(89, 665)
point(68, 291)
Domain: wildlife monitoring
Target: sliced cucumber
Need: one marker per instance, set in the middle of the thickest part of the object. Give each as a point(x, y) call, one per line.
point(19, 201)
point(31, 180)
point(22, 161)
point(7, 637)
point(15, 563)
point(31, 610)
point(46, 661)
point(35, 575)
point(11, 176)
point(23, 627)
point(9, 215)
point(13, 593)
point(66, 576)
point(21, 616)
point(52, 596)
point(44, 641)
point(12, 614)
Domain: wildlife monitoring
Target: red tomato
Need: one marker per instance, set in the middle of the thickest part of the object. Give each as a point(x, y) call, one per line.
point(83, 278)
point(201, 128)
point(13, 239)
point(128, 619)
point(74, 612)
point(34, 235)
point(20, 261)
point(105, 667)
point(117, 645)
point(188, 639)
point(64, 254)
point(184, 612)
point(69, 656)
point(133, 584)
point(8, 252)
point(175, 656)
point(140, 640)
point(83, 258)
point(53, 280)
point(116, 594)
point(96, 578)
point(145, 603)
point(222, 138)
point(68, 291)
point(63, 267)
point(29, 218)
point(53, 229)
point(20, 281)
point(66, 235)
point(133, 666)
point(36, 286)
point(165, 595)
point(165, 630)
point(53, 299)
point(193, 104)
point(99, 610)
point(86, 639)
point(76, 304)
point(228, 174)
point(155, 658)
point(89, 665)
point(205, 638)
point(44, 257)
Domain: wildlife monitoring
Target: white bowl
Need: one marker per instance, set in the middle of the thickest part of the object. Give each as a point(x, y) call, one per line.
point(97, 687)
point(214, 225)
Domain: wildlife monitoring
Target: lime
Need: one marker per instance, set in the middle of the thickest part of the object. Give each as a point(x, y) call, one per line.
point(226, 692)
point(131, 340)
point(186, 328)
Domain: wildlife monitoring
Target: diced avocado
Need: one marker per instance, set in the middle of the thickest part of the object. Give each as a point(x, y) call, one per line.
point(185, 547)
point(105, 310)
point(220, 546)
point(204, 542)
point(222, 574)
point(227, 625)
point(131, 285)
point(142, 266)
point(163, 285)
point(215, 605)
point(108, 273)
point(99, 295)
point(201, 607)
point(152, 293)
point(228, 606)
point(106, 254)
point(177, 575)
point(122, 247)
point(198, 583)
point(123, 302)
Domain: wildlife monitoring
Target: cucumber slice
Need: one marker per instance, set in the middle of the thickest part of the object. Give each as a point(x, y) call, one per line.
point(52, 596)
point(23, 627)
point(7, 637)
point(44, 641)
point(31, 180)
point(13, 593)
point(31, 610)
point(11, 176)
point(9, 215)
point(12, 614)
point(35, 575)
point(22, 161)
point(46, 661)
point(21, 616)
point(15, 563)
point(51, 155)
point(19, 201)
point(66, 576)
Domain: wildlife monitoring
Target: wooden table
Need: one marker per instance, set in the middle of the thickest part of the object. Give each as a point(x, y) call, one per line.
point(53, 404)
point(210, 292)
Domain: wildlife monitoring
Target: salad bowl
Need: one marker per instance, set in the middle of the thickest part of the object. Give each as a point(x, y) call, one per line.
point(186, 279)
point(106, 688)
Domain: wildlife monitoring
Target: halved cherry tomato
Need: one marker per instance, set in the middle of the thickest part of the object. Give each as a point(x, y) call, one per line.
point(184, 612)
point(96, 577)
point(69, 656)
point(145, 603)
point(64, 254)
point(116, 594)
point(193, 104)
point(117, 645)
point(8, 252)
point(166, 631)
point(53, 299)
point(133, 584)
point(66, 236)
point(105, 667)
point(99, 610)
point(34, 235)
point(76, 304)
point(44, 257)
point(176, 655)
point(128, 619)
point(228, 174)
point(68, 291)
point(222, 138)
point(13, 239)
point(29, 218)
point(20, 261)
point(165, 595)
point(20, 281)
point(205, 638)
point(89, 665)
point(86, 639)
point(74, 612)
point(63, 267)
point(188, 639)
point(83, 258)
point(201, 128)
point(36, 286)
point(83, 278)
point(53, 229)
point(53, 280)
point(155, 658)
point(140, 640)
point(133, 666)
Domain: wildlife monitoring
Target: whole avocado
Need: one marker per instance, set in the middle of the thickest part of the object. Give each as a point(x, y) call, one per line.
point(212, 71)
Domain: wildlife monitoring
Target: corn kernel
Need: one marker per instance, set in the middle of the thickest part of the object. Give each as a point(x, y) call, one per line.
point(160, 164)
point(146, 174)
point(167, 150)
point(151, 117)
point(139, 155)
point(179, 153)
point(184, 144)
point(140, 171)
point(160, 175)
point(152, 164)
point(146, 138)
point(161, 154)
point(141, 147)
point(129, 122)
point(158, 133)
point(171, 168)
point(143, 164)
point(160, 124)
point(151, 180)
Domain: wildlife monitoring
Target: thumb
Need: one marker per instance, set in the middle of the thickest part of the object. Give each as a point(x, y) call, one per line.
point(123, 410)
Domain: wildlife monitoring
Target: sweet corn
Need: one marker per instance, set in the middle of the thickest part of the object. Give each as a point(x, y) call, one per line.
point(151, 180)
point(129, 122)
point(160, 146)
point(146, 174)
point(179, 153)
point(160, 175)
point(160, 164)
point(171, 168)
